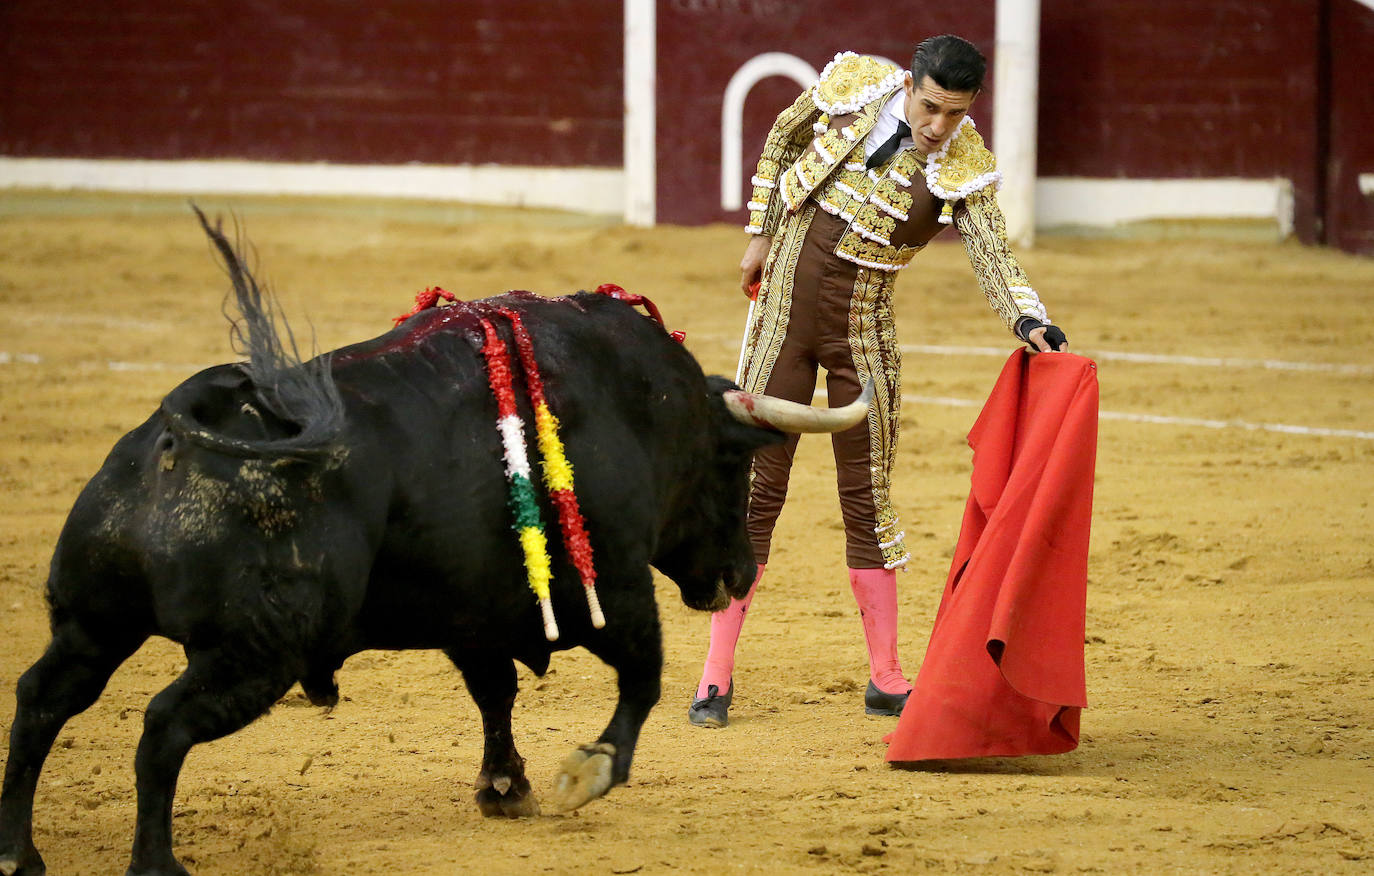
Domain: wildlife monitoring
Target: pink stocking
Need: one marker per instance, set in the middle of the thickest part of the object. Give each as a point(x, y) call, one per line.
point(875, 590)
point(725, 626)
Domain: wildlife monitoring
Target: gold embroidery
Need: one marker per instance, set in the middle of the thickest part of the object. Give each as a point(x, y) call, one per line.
point(790, 168)
point(855, 197)
point(857, 180)
point(835, 201)
point(878, 359)
point(815, 164)
point(876, 223)
point(795, 186)
point(774, 303)
point(909, 165)
point(854, 248)
point(892, 201)
point(789, 136)
point(835, 146)
point(983, 229)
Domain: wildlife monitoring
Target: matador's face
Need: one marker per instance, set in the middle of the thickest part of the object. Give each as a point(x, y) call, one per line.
point(934, 112)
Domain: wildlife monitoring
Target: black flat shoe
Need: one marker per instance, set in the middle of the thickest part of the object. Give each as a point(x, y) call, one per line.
point(712, 710)
point(880, 702)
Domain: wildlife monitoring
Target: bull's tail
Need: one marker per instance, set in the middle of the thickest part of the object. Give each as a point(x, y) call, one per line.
point(301, 396)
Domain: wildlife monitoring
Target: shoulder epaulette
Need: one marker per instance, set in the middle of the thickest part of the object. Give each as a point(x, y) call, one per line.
point(851, 81)
point(962, 166)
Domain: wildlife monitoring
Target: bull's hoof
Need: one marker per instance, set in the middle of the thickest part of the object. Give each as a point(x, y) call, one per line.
point(323, 699)
point(321, 690)
point(584, 776)
point(173, 868)
point(29, 864)
point(502, 796)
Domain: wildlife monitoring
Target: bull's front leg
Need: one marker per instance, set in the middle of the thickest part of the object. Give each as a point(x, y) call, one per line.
point(502, 788)
point(632, 645)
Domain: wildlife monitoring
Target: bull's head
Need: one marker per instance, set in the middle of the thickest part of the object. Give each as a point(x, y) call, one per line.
point(708, 554)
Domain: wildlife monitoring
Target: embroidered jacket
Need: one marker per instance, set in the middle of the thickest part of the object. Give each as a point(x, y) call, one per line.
point(815, 150)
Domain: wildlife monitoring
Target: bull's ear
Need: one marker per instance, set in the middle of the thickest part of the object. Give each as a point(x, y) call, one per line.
point(736, 435)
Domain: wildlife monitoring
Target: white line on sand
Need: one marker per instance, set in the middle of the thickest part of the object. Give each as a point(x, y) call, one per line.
point(1158, 359)
point(945, 401)
point(7, 358)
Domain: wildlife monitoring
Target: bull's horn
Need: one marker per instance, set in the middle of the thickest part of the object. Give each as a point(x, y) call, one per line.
point(763, 410)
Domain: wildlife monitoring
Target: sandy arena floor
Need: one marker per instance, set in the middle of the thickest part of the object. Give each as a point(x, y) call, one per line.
point(1231, 601)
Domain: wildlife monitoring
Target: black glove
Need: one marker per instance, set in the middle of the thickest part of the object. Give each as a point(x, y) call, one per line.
point(1054, 335)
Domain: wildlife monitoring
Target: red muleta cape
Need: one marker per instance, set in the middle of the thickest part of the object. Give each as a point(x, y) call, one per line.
point(1003, 673)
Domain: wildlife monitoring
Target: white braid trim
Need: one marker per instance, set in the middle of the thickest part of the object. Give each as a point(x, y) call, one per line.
point(855, 165)
point(863, 98)
point(822, 151)
point(848, 190)
point(836, 211)
point(1037, 309)
point(848, 132)
point(819, 128)
point(887, 208)
point(753, 229)
point(896, 541)
point(755, 205)
point(760, 181)
point(892, 172)
point(891, 269)
point(870, 235)
point(897, 565)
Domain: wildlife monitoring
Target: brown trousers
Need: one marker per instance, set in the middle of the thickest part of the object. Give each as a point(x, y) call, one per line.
point(816, 310)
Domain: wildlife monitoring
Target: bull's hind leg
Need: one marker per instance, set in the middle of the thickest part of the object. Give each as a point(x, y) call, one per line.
point(632, 645)
point(218, 694)
point(65, 681)
point(502, 788)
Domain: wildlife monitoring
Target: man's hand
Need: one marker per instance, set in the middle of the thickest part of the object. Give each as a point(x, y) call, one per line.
point(751, 266)
point(1048, 339)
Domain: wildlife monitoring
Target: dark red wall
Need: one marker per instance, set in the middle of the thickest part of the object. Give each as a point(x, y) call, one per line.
point(1128, 88)
point(1177, 88)
point(508, 81)
point(1182, 89)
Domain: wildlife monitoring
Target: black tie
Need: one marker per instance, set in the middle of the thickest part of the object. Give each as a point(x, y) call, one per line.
point(884, 152)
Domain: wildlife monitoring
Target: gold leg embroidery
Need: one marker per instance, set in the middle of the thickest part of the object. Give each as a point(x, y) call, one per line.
point(878, 359)
point(774, 306)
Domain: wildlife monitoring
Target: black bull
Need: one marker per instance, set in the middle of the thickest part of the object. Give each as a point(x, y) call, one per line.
point(275, 518)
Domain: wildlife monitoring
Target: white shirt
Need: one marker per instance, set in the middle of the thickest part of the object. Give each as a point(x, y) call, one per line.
point(886, 125)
